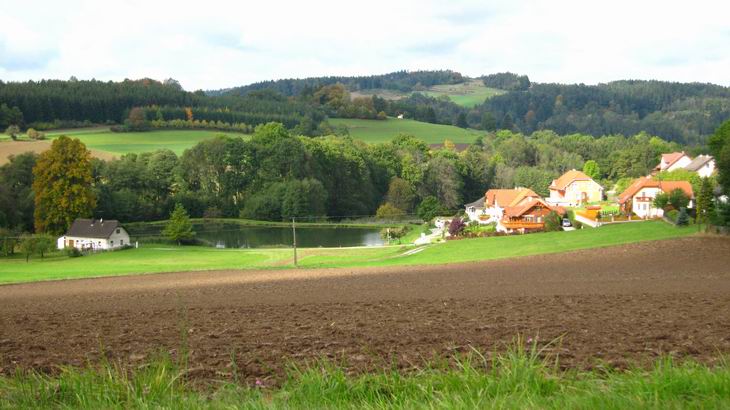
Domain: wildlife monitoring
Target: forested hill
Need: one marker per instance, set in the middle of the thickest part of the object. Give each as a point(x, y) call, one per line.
point(400, 81)
point(682, 112)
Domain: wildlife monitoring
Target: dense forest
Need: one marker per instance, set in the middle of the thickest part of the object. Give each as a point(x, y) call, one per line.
point(276, 175)
point(399, 81)
point(682, 112)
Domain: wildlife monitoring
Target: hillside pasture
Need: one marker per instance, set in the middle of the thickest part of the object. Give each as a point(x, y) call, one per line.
point(468, 94)
point(375, 131)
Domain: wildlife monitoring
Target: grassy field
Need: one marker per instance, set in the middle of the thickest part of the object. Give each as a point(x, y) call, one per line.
point(467, 94)
point(122, 143)
point(519, 378)
point(373, 131)
point(164, 258)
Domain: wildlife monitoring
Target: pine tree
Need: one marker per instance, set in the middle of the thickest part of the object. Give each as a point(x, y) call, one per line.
point(179, 228)
point(62, 185)
point(683, 218)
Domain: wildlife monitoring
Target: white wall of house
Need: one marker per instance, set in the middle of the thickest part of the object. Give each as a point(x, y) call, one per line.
point(679, 164)
point(707, 170)
point(473, 213)
point(574, 194)
point(117, 239)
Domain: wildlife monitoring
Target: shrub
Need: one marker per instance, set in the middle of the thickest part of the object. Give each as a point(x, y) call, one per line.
point(35, 135)
point(73, 252)
point(553, 222)
point(388, 211)
point(456, 227)
point(429, 208)
point(672, 215)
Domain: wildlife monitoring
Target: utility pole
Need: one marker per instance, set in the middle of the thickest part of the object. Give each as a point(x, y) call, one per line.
point(294, 236)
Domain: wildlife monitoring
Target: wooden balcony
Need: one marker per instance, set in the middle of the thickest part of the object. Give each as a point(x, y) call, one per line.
point(523, 225)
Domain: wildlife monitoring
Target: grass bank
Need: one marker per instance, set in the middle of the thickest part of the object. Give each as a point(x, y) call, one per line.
point(519, 378)
point(374, 131)
point(166, 258)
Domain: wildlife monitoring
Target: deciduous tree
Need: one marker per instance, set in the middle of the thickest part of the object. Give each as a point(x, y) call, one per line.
point(62, 185)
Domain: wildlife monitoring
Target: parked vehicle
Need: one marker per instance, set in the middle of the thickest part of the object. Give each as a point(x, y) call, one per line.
point(566, 223)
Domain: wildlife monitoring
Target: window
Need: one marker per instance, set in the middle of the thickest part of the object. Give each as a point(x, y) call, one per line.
point(117, 230)
point(121, 242)
point(112, 243)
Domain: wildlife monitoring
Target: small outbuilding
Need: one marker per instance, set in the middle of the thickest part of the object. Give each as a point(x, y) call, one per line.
point(94, 234)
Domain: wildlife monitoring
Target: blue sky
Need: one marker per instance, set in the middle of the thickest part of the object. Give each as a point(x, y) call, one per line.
point(217, 44)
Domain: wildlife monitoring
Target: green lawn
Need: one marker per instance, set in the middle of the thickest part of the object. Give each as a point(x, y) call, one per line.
point(373, 131)
point(119, 143)
point(165, 258)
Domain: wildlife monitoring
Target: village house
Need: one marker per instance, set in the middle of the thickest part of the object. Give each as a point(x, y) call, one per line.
point(496, 200)
point(94, 234)
point(528, 216)
point(703, 165)
point(673, 161)
point(638, 198)
point(574, 188)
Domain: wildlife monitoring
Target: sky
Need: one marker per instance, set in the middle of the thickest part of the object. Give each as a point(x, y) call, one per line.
point(217, 44)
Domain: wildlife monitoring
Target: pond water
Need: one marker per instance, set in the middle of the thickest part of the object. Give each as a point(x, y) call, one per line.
point(239, 236)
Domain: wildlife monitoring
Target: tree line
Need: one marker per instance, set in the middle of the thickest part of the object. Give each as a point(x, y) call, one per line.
point(276, 175)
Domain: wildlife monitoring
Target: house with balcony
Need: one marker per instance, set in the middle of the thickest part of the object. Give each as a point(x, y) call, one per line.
point(638, 198)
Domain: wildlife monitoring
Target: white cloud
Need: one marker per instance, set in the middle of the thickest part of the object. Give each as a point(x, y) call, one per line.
point(218, 43)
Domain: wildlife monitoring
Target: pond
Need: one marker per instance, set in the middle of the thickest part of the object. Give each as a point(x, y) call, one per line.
point(241, 236)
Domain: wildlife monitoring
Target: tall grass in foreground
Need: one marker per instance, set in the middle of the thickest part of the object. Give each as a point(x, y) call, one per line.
point(516, 379)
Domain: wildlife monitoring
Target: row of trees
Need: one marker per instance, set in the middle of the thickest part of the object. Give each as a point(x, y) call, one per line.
point(276, 175)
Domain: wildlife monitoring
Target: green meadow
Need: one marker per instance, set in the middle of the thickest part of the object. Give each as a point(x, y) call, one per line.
point(155, 258)
point(374, 131)
point(467, 94)
point(119, 143)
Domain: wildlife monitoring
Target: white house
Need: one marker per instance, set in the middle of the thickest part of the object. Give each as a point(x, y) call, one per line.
point(703, 165)
point(574, 188)
point(638, 198)
point(673, 161)
point(476, 212)
point(94, 234)
point(496, 200)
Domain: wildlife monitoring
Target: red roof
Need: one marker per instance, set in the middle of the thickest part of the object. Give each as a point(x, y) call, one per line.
point(515, 211)
point(670, 159)
point(508, 197)
point(567, 178)
point(647, 182)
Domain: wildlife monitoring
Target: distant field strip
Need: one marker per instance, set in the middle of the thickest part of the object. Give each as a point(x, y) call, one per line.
point(374, 131)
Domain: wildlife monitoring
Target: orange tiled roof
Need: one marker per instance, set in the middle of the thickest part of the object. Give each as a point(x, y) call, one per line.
point(508, 197)
point(647, 182)
point(515, 211)
point(670, 159)
point(568, 177)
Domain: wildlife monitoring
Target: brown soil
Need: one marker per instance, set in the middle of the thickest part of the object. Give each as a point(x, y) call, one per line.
point(8, 148)
point(614, 306)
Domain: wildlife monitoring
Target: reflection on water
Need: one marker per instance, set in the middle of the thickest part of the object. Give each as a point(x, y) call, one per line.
point(238, 236)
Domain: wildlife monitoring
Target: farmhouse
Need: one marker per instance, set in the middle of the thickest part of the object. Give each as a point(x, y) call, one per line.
point(703, 165)
point(573, 189)
point(529, 215)
point(673, 161)
point(94, 234)
point(638, 198)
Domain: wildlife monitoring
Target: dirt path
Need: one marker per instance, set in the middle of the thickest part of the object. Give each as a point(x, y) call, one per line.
point(615, 305)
